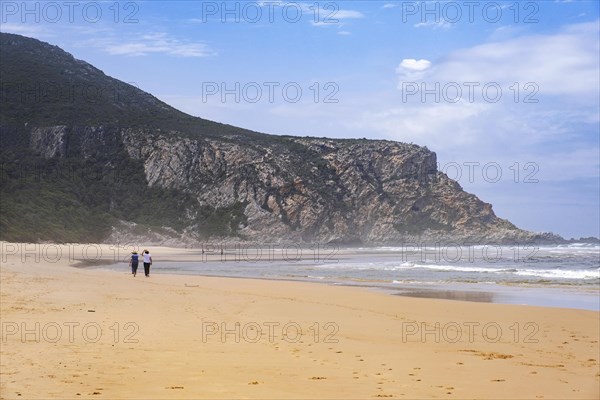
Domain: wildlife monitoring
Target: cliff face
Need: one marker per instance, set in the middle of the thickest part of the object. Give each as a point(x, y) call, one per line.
point(306, 189)
point(158, 171)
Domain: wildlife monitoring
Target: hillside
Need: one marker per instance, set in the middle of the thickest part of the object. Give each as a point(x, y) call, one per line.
point(86, 157)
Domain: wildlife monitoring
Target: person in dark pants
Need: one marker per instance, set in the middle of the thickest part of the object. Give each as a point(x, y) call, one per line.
point(133, 263)
point(147, 262)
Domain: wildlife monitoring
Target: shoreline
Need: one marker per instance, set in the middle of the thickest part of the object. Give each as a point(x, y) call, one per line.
point(543, 295)
point(184, 336)
point(527, 295)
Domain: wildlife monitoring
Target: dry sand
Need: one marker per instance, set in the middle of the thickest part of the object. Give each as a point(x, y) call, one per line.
point(71, 333)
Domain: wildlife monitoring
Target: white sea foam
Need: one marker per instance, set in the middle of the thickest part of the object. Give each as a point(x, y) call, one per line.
point(560, 273)
point(453, 268)
point(582, 274)
point(542, 273)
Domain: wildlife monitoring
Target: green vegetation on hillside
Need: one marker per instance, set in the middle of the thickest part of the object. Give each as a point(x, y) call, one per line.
point(76, 200)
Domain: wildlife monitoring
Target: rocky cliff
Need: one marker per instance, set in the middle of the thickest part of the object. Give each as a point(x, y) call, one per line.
point(303, 189)
point(201, 179)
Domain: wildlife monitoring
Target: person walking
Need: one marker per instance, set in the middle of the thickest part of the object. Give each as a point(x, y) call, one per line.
point(147, 262)
point(133, 262)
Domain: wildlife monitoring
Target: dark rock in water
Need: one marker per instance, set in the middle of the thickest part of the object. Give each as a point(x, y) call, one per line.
point(175, 179)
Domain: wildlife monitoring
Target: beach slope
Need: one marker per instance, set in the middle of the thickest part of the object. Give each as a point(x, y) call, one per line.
point(70, 333)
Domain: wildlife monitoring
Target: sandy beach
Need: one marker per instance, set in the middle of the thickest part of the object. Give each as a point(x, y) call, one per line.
point(71, 333)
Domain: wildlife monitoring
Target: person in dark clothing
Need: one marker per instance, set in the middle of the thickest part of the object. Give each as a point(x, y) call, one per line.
point(133, 263)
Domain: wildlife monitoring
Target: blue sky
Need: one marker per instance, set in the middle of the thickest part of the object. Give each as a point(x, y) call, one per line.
point(506, 93)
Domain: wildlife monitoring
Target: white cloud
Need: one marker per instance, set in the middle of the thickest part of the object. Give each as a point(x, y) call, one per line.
point(110, 41)
point(329, 11)
point(152, 43)
point(329, 16)
point(347, 14)
point(441, 24)
point(412, 70)
point(390, 5)
point(565, 63)
point(413, 65)
point(26, 30)
point(427, 124)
